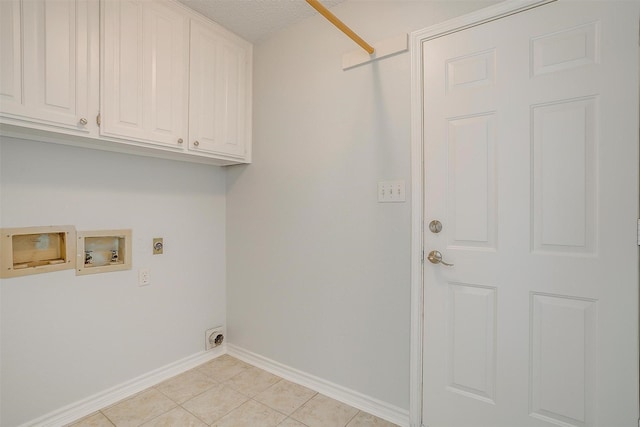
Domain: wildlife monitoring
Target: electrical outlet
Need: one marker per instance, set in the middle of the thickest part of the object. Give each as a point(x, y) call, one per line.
point(144, 277)
point(213, 338)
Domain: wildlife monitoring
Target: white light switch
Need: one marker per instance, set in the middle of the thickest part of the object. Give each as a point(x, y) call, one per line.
point(391, 191)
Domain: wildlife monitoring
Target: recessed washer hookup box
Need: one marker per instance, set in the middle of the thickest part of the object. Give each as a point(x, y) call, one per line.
point(35, 250)
point(103, 251)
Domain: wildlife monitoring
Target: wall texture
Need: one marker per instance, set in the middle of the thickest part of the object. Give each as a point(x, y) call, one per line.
point(64, 337)
point(319, 272)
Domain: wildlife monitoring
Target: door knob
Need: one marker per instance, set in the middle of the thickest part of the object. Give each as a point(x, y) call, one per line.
point(435, 257)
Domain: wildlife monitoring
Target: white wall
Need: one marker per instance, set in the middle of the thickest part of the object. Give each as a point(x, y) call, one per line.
point(66, 337)
point(318, 271)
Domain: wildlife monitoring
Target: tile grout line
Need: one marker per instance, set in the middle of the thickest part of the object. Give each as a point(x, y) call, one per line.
point(195, 416)
point(352, 418)
point(216, 383)
point(253, 398)
point(108, 419)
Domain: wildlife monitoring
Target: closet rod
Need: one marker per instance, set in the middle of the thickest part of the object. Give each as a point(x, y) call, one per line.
point(341, 26)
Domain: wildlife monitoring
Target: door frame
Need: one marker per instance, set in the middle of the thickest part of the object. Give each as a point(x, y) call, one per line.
point(417, 39)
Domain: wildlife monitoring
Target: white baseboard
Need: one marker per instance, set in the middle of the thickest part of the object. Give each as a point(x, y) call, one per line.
point(108, 397)
point(84, 407)
point(368, 404)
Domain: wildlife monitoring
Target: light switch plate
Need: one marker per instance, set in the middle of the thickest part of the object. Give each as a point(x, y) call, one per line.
point(391, 191)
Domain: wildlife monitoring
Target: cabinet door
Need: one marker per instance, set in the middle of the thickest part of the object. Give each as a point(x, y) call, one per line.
point(49, 63)
point(220, 93)
point(145, 60)
point(11, 48)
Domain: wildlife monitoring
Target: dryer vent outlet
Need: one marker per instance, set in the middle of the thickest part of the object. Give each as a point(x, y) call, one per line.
point(213, 338)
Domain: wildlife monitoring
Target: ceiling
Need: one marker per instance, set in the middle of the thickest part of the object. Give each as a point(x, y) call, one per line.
point(255, 20)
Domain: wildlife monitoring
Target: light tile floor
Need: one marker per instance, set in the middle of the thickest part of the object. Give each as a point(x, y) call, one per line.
point(226, 392)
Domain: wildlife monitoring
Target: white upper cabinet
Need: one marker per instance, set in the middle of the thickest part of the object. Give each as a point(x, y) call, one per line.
point(220, 92)
point(48, 72)
point(145, 60)
point(147, 77)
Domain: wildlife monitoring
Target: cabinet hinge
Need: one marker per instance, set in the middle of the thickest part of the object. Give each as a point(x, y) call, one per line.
point(98, 119)
point(639, 245)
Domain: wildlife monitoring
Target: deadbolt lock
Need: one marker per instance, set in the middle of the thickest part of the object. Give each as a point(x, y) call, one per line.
point(435, 226)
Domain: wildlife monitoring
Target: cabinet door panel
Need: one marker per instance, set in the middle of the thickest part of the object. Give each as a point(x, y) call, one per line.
point(56, 55)
point(203, 87)
point(232, 102)
point(10, 46)
point(219, 107)
point(167, 67)
point(145, 72)
point(127, 66)
point(48, 72)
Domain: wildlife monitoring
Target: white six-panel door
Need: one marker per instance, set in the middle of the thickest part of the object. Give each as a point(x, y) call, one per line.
point(531, 166)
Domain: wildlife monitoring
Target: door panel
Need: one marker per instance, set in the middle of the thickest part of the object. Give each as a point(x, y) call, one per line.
point(564, 176)
point(563, 355)
point(472, 341)
point(531, 165)
point(472, 181)
point(566, 49)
